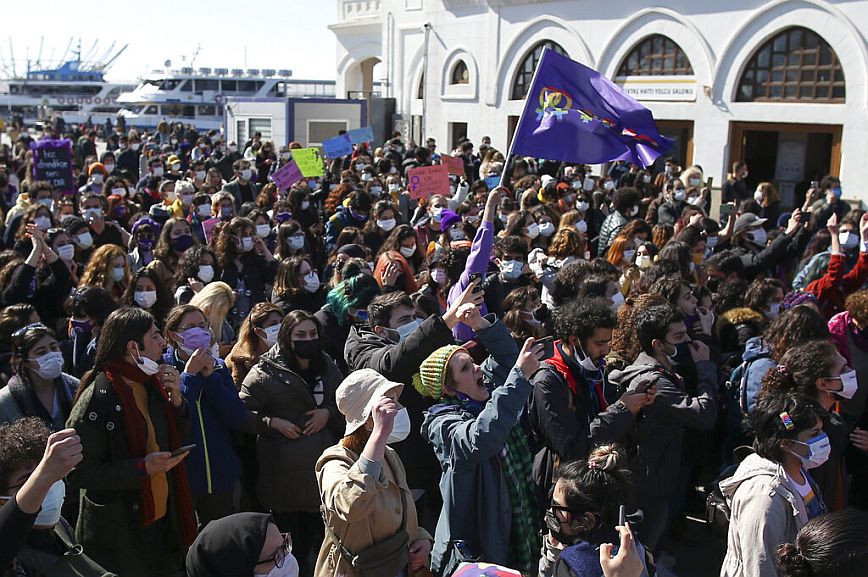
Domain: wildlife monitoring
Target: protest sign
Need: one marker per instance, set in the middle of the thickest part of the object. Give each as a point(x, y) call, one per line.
point(287, 175)
point(360, 135)
point(309, 161)
point(52, 161)
point(453, 164)
point(208, 228)
point(338, 146)
point(493, 181)
point(426, 181)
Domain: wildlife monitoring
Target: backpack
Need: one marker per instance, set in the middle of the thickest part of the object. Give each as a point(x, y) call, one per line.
point(717, 511)
point(734, 407)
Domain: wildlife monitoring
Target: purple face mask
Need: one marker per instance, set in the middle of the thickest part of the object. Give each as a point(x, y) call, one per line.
point(196, 338)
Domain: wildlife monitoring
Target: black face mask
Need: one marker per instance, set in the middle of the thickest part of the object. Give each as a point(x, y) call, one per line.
point(306, 349)
point(554, 527)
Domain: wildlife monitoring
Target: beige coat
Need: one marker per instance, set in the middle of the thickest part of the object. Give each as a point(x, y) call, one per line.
point(361, 509)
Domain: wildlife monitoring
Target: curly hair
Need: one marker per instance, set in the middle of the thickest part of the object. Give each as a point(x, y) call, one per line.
point(22, 444)
point(661, 234)
point(624, 340)
point(625, 199)
point(188, 264)
point(98, 270)
point(226, 248)
point(857, 305)
point(760, 291)
point(569, 280)
point(793, 327)
point(680, 253)
point(800, 368)
point(669, 288)
point(580, 318)
point(729, 295)
point(567, 242)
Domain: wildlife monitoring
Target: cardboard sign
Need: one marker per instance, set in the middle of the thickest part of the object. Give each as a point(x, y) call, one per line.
point(52, 161)
point(338, 146)
point(287, 175)
point(453, 164)
point(309, 161)
point(360, 135)
point(426, 181)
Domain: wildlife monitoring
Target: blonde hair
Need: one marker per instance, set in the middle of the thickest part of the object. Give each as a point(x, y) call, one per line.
point(215, 301)
point(569, 219)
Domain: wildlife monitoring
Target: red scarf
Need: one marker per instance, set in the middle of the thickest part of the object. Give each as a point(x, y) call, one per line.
point(560, 364)
point(137, 437)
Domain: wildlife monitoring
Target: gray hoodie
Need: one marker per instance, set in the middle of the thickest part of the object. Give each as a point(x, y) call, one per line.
point(766, 510)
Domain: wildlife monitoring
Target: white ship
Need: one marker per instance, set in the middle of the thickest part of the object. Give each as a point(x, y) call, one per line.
point(197, 96)
point(74, 89)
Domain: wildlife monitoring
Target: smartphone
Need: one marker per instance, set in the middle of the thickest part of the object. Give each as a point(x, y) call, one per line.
point(182, 450)
point(815, 184)
point(622, 515)
point(725, 211)
point(545, 341)
point(476, 276)
point(709, 182)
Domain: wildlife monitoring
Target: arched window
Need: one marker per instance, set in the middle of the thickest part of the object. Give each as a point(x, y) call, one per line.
point(796, 64)
point(460, 74)
point(656, 55)
point(524, 74)
point(420, 92)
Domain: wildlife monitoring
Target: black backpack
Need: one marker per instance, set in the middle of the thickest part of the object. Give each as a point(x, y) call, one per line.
point(717, 510)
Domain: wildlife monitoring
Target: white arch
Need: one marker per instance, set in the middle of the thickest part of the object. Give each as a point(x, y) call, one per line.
point(667, 23)
point(414, 70)
point(538, 30)
point(463, 91)
point(821, 17)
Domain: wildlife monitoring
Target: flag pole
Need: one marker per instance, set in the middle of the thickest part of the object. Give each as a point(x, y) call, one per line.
point(521, 117)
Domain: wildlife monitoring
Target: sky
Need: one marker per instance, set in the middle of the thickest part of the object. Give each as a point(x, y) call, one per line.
point(277, 34)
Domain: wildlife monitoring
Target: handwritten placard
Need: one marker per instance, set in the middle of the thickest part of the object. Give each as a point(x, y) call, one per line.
point(360, 135)
point(453, 164)
point(52, 161)
point(426, 181)
point(309, 161)
point(338, 146)
point(287, 175)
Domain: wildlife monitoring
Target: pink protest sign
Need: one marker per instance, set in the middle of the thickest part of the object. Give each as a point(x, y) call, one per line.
point(208, 228)
point(287, 175)
point(453, 165)
point(426, 181)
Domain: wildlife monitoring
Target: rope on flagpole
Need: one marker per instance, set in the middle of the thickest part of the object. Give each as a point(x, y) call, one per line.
point(521, 116)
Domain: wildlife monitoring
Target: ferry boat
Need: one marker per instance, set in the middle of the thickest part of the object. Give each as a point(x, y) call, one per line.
point(76, 90)
point(197, 96)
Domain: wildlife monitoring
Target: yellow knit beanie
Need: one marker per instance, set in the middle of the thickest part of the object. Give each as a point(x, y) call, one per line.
point(431, 378)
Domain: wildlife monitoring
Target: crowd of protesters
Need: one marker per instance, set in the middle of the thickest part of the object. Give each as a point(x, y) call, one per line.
point(206, 374)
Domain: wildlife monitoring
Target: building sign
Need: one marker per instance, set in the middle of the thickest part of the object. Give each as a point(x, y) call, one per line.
point(663, 88)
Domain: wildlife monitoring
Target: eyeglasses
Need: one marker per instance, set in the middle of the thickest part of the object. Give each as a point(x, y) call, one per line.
point(20, 332)
point(282, 552)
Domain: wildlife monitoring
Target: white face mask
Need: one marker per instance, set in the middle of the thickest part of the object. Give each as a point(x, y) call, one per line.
point(680, 194)
point(694, 181)
point(758, 195)
point(49, 514)
point(206, 273)
point(759, 235)
point(158, 171)
point(171, 195)
point(582, 226)
point(533, 231)
point(711, 241)
point(400, 427)
point(819, 449)
point(311, 282)
point(584, 360)
point(119, 192)
point(847, 239)
point(246, 244)
point(405, 329)
point(617, 301)
point(92, 213)
point(43, 223)
point(289, 569)
point(246, 174)
point(394, 187)
point(200, 175)
point(263, 230)
point(547, 229)
point(296, 242)
point(118, 273)
point(66, 252)
point(576, 184)
point(96, 177)
point(582, 206)
point(109, 168)
point(186, 199)
point(204, 210)
point(694, 200)
point(145, 299)
point(609, 185)
point(589, 184)
point(456, 233)
point(146, 365)
point(628, 255)
point(511, 269)
point(407, 251)
point(387, 224)
point(646, 178)
point(774, 310)
point(643, 261)
point(850, 385)
point(271, 335)
point(305, 204)
point(85, 240)
point(49, 365)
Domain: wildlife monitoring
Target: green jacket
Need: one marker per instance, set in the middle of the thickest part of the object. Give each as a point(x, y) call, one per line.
point(109, 523)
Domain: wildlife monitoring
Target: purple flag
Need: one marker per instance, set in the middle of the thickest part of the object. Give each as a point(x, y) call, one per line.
point(574, 114)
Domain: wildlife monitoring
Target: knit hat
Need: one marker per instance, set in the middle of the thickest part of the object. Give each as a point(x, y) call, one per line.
point(431, 378)
point(797, 297)
point(448, 218)
point(73, 223)
point(357, 394)
point(94, 166)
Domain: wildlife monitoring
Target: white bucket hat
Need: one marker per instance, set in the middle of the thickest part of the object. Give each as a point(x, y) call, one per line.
point(357, 394)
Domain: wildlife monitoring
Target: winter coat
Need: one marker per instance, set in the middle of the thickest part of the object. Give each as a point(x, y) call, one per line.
point(476, 502)
point(109, 478)
point(333, 337)
point(11, 408)
point(398, 362)
point(568, 424)
point(759, 263)
point(833, 287)
point(363, 506)
point(286, 466)
point(213, 466)
point(657, 436)
point(610, 229)
point(766, 510)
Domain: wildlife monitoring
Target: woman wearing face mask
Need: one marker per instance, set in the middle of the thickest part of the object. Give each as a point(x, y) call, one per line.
point(524, 225)
point(263, 227)
point(482, 450)
point(136, 514)
point(196, 268)
point(247, 265)
point(523, 306)
point(291, 240)
point(818, 371)
point(402, 246)
point(38, 216)
point(243, 545)
point(362, 483)
point(384, 219)
point(297, 286)
point(258, 334)
point(176, 238)
point(772, 494)
point(215, 301)
point(147, 292)
point(108, 268)
point(145, 232)
point(213, 467)
point(304, 211)
point(583, 512)
point(625, 207)
point(293, 385)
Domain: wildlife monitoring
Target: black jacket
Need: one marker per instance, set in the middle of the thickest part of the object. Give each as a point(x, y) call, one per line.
point(759, 263)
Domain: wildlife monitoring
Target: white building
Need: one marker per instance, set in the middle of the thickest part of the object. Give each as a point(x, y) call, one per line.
point(782, 84)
